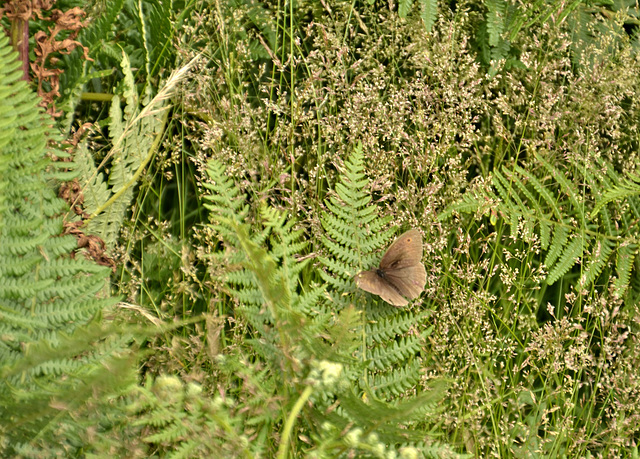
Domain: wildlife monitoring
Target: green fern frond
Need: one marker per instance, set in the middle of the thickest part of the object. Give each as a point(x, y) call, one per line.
point(386, 356)
point(135, 138)
point(291, 326)
point(495, 20)
point(275, 289)
point(629, 188)
point(541, 189)
point(20, 266)
point(566, 219)
point(505, 192)
point(225, 198)
point(376, 414)
point(429, 13)
point(77, 70)
point(391, 423)
point(611, 180)
point(311, 302)
point(470, 202)
point(624, 264)
point(385, 329)
point(339, 278)
point(53, 357)
point(153, 19)
point(404, 6)
point(353, 231)
point(136, 132)
point(397, 382)
point(32, 220)
point(267, 287)
point(558, 243)
point(603, 182)
point(597, 261)
point(570, 256)
point(566, 187)
point(354, 237)
point(180, 420)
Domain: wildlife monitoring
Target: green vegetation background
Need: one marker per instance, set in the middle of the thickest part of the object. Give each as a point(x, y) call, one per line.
point(246, 159)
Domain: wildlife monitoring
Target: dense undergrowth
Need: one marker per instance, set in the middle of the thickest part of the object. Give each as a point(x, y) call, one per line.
point(252, 159)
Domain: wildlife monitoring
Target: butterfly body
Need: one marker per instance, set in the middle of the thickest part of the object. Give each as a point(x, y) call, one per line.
point(401, 275)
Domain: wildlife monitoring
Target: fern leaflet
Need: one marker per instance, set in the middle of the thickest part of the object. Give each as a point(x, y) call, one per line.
point(566, 219)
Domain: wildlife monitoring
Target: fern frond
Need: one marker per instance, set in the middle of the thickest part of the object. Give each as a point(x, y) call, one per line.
point(387, 355)
point(156, 30)
point(77, 70)
point(565, 218)
point(542, 190)
point(613, 179)
point(566, 187)
point(225, 198)
point(133, 146)
point(571, 254)
point(310, 302)
point(429, 13)
point(390, 346)
point(32, 220)
point(376, 414)
point(627, 189)
point(603, 182)
point(470, 202)
point(267, 287)
point(558, 243)
point(51, 363)
point(385, 329)
point(136, 134)
point(404, 6)
point(495, 20)
point(352, 229)
point(543, 222)
point(624, 264)
point(597, 261)
point(397, 382)
point(275, 290)
point(181, 420)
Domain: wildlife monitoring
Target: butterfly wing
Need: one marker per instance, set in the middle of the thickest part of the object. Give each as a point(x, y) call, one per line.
point(373, 283)
point(409, 281)
point(405, 251)
point(401, 273)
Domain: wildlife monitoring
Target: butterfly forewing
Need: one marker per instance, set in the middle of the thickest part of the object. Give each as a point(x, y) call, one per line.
point(405, 251)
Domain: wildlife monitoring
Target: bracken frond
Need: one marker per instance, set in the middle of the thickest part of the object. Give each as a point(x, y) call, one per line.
point(570, 222)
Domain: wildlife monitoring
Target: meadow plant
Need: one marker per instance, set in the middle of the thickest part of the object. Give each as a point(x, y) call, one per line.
point(536, 367)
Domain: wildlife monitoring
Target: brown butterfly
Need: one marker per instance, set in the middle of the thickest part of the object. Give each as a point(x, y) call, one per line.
point(401, 276)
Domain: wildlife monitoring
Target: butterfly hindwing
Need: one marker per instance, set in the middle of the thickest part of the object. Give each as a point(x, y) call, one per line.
point(373, 283)
point(409, 281)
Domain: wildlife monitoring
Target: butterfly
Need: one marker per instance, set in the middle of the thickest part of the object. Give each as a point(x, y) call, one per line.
point(401, 275)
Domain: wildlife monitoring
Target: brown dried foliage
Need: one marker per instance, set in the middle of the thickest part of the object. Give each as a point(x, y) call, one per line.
point(95, 248)
point(49, 46)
